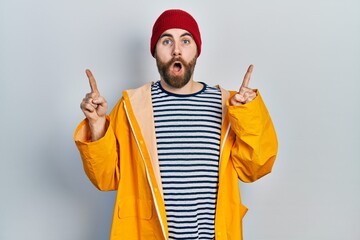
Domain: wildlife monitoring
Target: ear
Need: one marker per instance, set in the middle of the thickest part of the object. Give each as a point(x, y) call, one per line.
point(155, 52)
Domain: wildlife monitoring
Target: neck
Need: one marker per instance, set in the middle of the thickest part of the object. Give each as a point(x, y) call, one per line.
point(190, 88)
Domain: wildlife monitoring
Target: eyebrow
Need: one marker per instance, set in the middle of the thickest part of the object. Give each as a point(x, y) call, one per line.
point(170, 35)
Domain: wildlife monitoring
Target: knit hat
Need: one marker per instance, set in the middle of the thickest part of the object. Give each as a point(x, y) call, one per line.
point(175, 18)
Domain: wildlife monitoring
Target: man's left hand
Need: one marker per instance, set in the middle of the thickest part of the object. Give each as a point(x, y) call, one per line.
point(245, 93)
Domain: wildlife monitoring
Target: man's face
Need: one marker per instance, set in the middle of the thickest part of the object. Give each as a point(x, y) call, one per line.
point(176, 54)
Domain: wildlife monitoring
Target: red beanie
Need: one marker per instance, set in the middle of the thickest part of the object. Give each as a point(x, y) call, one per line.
point(175, 18)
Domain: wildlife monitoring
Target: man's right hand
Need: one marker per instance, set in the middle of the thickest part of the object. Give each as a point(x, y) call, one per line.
point(94, 107)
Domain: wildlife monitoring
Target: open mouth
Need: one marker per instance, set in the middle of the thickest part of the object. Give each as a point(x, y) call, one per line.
point(177, 66)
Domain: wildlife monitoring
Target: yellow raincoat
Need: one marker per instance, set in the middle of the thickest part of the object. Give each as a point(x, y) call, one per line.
point(125, 159)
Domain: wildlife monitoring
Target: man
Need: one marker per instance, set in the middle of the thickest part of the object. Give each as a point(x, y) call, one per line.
point(175, 149)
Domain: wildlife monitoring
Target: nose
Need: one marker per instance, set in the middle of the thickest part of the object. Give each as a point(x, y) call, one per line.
point(176, 50)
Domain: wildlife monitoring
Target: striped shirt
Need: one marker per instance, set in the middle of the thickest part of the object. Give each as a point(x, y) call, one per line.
point(188, 142)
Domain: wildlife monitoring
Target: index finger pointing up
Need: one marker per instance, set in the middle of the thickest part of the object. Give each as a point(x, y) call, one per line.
point(92, 81)
point(247, 76)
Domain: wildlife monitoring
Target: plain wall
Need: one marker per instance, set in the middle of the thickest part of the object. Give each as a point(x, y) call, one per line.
point(307, 67)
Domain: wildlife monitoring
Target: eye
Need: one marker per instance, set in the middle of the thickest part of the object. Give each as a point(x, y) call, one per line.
point(186, 41)
point(167, 42)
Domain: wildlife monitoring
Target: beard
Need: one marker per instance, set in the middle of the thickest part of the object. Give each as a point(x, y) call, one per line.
point(176, 81)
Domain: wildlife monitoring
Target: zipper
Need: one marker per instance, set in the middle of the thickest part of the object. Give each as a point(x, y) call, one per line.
point(225, 137)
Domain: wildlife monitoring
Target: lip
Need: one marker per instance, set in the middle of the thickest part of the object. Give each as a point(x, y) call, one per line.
point(177, 68)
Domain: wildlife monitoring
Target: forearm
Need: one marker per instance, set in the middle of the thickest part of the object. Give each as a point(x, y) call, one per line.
point(99, 157)
point(255, 148)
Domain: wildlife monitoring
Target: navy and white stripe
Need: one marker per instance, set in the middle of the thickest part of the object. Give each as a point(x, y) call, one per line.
point(188, 141)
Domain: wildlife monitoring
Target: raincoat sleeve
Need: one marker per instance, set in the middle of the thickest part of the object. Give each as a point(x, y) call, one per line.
point(254, 150)
point(100, 158)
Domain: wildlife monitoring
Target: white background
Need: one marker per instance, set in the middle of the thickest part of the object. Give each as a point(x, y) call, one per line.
point(307, 67)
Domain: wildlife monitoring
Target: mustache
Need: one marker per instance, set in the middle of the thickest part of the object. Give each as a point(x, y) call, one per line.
point(177, 59)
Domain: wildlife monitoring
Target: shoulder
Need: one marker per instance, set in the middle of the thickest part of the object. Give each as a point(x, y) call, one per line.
point(135, 92)
point(224, 92)
point(145, 87)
